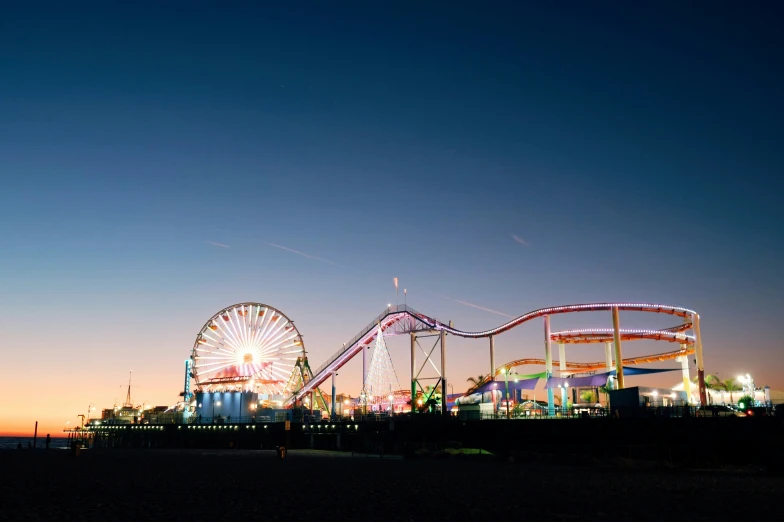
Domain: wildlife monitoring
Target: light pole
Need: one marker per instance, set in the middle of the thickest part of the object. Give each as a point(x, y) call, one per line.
point(506, 385)
point(560, 387)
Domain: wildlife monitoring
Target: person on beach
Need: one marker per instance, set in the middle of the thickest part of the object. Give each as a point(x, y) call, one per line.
point(48, 440)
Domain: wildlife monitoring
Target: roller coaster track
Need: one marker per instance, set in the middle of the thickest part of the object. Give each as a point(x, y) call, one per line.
point(404, 319)
point(601, 365)
point(586, 366)
point(605, 335)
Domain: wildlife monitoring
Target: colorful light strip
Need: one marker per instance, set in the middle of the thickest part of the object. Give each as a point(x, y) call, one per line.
point(609, 331)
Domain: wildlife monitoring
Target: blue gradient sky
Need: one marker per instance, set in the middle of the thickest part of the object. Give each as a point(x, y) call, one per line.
point(634, 150)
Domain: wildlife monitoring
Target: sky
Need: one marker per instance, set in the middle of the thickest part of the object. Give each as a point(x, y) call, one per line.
point(161, 161)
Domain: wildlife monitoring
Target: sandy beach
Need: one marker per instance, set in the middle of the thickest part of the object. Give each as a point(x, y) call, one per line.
point(309, 485)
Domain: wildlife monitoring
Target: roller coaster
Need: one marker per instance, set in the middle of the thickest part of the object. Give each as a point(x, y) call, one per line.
point(397, 320)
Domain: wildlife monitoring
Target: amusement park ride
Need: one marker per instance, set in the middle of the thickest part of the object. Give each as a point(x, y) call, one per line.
point(253, 348)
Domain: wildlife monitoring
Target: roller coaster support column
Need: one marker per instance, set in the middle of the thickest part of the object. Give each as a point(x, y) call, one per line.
point(562, 358)
point(444, 389)
point(363, 395)
point(333, 396)
point(695, 323)
point(617, 342)
point(564, 397)
point(562, 372)
point(364, 368)
point(684, 360)
point(548, 361)
point(413, 373)
point(492, 358)
point(608, 355)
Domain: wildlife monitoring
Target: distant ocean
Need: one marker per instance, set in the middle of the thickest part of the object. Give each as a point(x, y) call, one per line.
point(13, 442)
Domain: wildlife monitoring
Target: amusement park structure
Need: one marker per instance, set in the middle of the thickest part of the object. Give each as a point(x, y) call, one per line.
point(255, 348)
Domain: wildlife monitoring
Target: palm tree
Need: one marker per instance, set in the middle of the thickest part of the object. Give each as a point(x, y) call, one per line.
point(586, 396)
point(729, 386)
point(711, 383)
point(476, 381)
point(606, 391)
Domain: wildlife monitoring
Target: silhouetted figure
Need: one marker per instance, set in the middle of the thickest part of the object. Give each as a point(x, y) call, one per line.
point(19, 446)
point(48, 440)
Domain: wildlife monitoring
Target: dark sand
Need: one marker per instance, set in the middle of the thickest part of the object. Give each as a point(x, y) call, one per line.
point(224, 484)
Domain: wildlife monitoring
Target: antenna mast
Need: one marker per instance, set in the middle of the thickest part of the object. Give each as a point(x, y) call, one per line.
point(128, 403)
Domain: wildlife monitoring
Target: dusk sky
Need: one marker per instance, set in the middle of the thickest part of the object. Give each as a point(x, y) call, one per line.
point(495, 157)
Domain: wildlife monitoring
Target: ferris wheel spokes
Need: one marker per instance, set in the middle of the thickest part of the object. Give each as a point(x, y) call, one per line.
point(248, 346)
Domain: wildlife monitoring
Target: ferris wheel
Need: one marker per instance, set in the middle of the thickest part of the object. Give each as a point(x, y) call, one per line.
point(246, 347)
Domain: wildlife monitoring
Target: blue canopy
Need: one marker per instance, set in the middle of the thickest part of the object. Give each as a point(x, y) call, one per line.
point(520, 384)
point(592, 381)
point(529, 382)
point(628, 370)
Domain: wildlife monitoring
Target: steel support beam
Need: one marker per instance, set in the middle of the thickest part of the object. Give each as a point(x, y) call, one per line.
point(548, 358)
point(444, 390)
point(333, 396)
point(492, 359)
point(413, 373)
point(684, 360)
point(562, 358)
point(364, 368)
point(695, 324)
point(617, 342)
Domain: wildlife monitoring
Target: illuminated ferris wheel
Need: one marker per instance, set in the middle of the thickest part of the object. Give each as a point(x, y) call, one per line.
point(246, 347)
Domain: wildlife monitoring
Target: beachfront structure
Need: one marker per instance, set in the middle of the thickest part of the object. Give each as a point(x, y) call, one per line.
point(762, 396)
point(253, 348)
